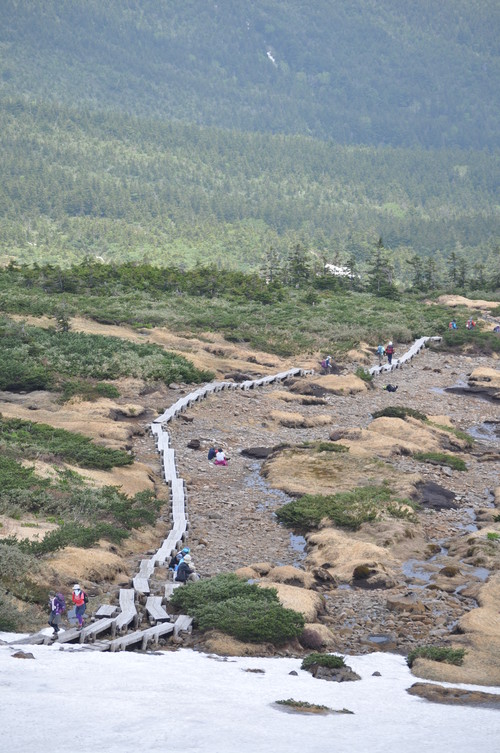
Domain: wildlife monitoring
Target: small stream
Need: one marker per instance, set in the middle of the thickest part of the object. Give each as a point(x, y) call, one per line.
point(272, 499)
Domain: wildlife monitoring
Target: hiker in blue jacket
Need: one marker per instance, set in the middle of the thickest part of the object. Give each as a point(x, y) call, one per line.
point(176, 560)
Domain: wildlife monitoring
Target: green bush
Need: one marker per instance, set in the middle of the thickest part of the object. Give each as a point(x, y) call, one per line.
point(238, 608)
point(396, 411)
point(441, 458)
point(331, 447)
point(437, 653)
point(345, 509)
point(363, 374)
point(331, 661)
point(252, 620)
point(72, 534)
point(88, 390)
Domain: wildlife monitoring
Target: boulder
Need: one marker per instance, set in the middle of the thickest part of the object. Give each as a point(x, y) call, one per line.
point(486, 381)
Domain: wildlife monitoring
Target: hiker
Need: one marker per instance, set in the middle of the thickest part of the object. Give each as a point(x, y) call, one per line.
point(220, 457)
point(452, 324)
point(176, 560)
point(380, 354)
point(470, 324)
point(57, 606)
point(79, 599)
point(496, 329)
point(186, 571)
point(212, 453)
point(389, 352)
point(327, 365)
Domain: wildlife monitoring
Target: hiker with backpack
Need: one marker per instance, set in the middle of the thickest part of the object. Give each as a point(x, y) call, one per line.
point(178, 557)
point(380, 354)
point(79, 599)
point(389, 352)
point(57, 606)
point(186, 571)
point(327, 365)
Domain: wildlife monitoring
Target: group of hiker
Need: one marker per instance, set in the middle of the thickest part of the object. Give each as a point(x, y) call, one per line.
point(387, 351)
point(183, 566)
point(218, 456)
point(471, 324)
point(57, 606)
point(181, 563)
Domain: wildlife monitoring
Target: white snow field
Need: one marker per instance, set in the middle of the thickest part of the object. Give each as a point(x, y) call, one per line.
point(188, 702)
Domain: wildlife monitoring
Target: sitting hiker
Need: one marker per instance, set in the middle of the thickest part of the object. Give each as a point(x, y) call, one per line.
point(212, 453)
point(57, 606)
point(186, 571)
point(176, 560)
point(220, 457)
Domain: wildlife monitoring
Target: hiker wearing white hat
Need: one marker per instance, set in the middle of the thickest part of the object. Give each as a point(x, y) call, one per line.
point(79, 599)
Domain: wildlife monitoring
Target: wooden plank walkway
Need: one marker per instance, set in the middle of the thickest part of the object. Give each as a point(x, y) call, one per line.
point(106, 610)
point(155, 609)
point(144, 637)
point(89, 633)
point(128, 609)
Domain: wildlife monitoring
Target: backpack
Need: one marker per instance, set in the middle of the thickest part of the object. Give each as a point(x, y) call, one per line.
point(323, 364)
point(85, 598)
point(60, 604)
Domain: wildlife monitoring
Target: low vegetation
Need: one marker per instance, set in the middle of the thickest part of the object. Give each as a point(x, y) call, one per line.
point(458, 433)
point(245, 611)
point(441, 458)
point(305, 707)
point(345, 509)
point(437, 653)
point(330, 447)
point(399, 411)
point(46, 359)
point(330, 661)
point(33, 440)
point(204, 299)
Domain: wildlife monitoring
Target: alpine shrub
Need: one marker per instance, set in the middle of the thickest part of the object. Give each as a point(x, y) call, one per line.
point(331, 661)
point(437, 653)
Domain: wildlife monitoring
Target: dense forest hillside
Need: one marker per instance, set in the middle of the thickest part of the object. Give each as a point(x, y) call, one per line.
point(230, 134)
point(79, 183)
point(389, 72)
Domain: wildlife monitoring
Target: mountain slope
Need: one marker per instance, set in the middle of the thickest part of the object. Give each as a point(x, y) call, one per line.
point(360, 72)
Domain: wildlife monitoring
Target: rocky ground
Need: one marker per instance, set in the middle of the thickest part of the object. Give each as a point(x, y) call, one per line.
point(425, 577)
point(232, 509)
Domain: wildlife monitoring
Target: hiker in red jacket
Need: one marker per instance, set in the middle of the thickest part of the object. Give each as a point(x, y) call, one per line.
point(389, 352)
point(79, 599)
